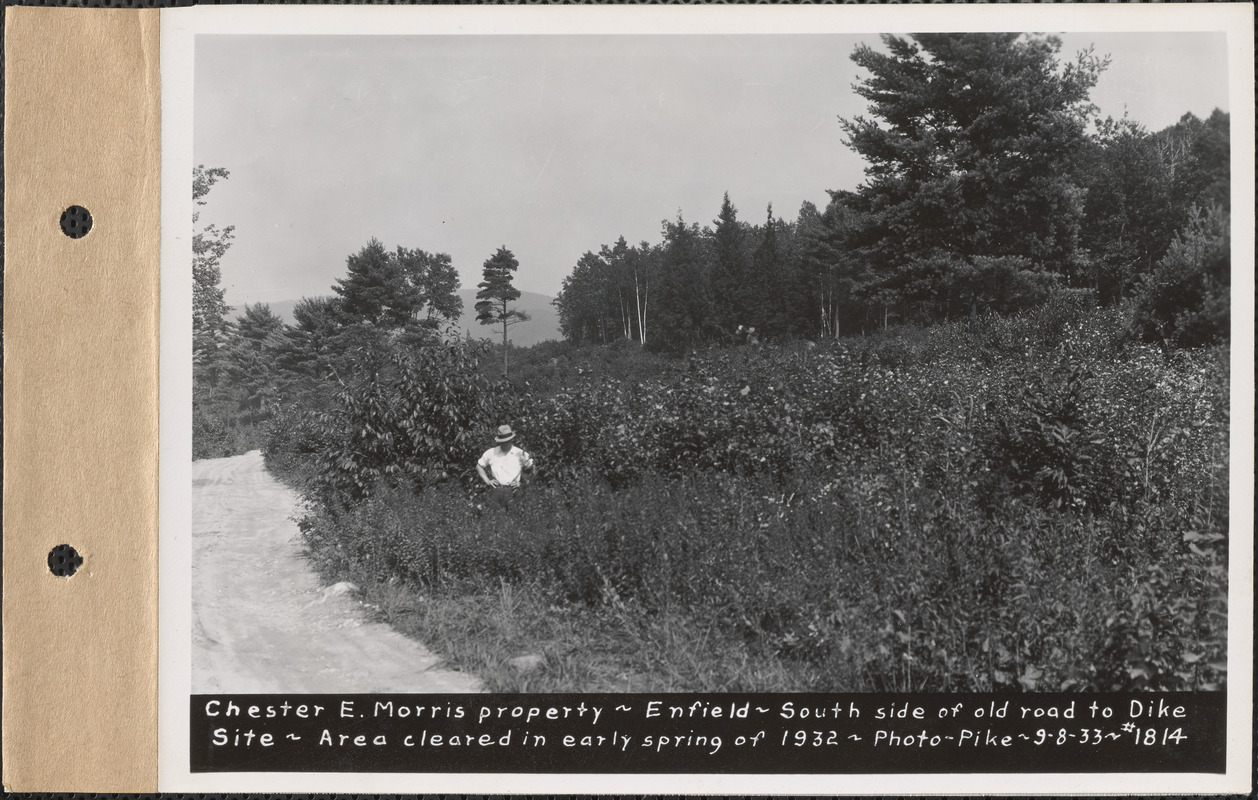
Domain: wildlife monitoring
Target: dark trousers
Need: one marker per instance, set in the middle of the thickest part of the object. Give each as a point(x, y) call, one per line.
point(501, 496)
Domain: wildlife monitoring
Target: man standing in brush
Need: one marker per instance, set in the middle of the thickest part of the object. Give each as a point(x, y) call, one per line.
point(502, 467)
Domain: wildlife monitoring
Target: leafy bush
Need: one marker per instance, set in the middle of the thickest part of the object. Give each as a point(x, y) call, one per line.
point(293, 442)
point(411, 421)
point(1186, 300)
point(1167, 631)
point(217, 432)
point(1048, 446)
point(1018, 503)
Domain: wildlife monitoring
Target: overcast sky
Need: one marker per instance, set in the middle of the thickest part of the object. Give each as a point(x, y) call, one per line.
point(554, 145)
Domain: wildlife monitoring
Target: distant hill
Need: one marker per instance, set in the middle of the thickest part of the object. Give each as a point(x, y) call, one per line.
point(543, 325)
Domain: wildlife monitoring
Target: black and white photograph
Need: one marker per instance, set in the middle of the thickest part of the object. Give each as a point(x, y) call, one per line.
point(769, 363)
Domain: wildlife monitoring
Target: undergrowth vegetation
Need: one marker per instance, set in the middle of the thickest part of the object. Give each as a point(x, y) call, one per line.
point(1026, 503)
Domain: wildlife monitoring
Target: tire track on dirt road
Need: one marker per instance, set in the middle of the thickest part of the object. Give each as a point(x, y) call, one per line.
point(260, 622)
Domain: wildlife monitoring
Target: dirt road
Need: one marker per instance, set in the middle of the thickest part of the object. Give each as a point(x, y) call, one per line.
point(261, 621)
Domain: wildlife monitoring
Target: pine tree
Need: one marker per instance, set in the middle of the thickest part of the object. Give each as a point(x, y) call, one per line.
point(308, 351)
point(495, 295)
point(252, 361)
point(376, 290)
point(583, 302)
point(732, 296)
point(684, 311)
point(395, 299)
point(1127, 223)
point(972, 149)
point(777, 307)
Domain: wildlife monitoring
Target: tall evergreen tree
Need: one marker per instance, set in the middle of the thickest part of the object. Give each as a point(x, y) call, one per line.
point(252, 365)
point(684, 311)
point(308, 351)
point(732, 294)
point(971, 150)
point(768, 277)
point(375, 290)
point(497, 293)
point(400, 297)
point(583, 301)
point(1127, 223)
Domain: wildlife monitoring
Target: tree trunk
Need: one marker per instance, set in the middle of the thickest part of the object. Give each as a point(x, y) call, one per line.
point(642, 327)
point(504, 338)
point(637, 297)
point(626, 323)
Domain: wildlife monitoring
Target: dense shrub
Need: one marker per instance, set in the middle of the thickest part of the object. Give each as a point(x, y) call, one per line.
point(292, 445)
point(1019, 503)
point(412, 420)
point(1046, 444)
point(217, 432)
point(1186, 300)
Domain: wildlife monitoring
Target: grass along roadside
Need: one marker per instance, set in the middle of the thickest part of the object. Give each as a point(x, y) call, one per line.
point(616, 649)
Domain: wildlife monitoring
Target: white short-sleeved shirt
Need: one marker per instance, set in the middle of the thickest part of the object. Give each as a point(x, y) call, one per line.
point(506, 467)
